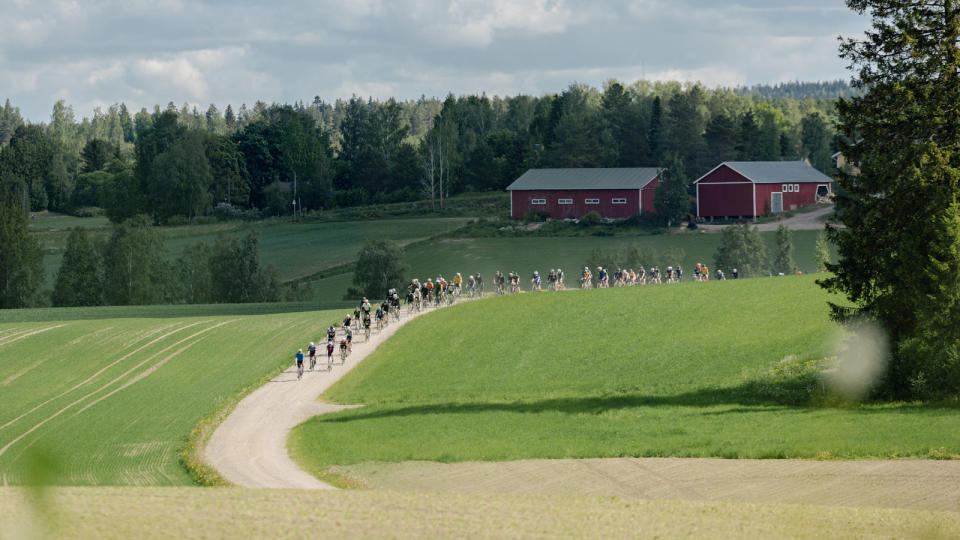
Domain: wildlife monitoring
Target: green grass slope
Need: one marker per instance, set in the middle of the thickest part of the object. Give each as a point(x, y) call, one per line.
point(697, 369)
point(111, 401)
point(297, 249)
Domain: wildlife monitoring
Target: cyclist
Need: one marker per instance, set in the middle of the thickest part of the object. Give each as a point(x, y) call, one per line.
point(479, 281)
point(331, 333)
point(514, 282)
point(312, 349)
point(356, 316)
point(535, 281)
point(417, 300)
point(560, 278)
point(299, 364)
point(346, 321)
point(552, 279)
point(379, 318)
point(366, 325)
point(349, 336)
point(329, 355)
point(586, 278)
point(498, 281)
point(343, 351)
point(457, 282)
point(427, 291)
point(679, 273)
point(365, 307)
point(471, 284)
point(395, 300)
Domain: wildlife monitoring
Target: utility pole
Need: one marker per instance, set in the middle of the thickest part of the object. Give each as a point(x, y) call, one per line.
point(295, 198)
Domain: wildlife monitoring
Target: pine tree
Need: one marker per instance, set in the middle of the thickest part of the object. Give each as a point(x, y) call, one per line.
point(670, 197)
point(899, 249)
point(21, 259)
point(79, 280)
point(783, 260)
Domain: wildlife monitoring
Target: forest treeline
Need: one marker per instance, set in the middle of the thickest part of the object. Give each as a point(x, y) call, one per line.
point(181, 162)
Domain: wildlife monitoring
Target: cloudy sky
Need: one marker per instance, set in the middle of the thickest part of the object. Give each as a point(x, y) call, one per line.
point(144, 52)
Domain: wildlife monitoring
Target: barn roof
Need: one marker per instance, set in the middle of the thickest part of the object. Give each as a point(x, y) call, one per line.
point(774, 172)
point(614, 178)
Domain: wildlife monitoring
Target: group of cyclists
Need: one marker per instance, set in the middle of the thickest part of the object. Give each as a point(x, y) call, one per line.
point(626, 277)
point(360, 321)
point(441, 291)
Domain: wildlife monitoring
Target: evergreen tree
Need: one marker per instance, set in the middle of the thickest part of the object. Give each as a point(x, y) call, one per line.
point(670, 197)
point(655, 132)
point(79, 280)
point(899, 248)
point(783, 258)
point(21, 259)
point(742, 248)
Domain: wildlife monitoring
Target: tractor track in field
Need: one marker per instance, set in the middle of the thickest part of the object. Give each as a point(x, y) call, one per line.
point(136, 378)
point(97, 374)
point(249, 448)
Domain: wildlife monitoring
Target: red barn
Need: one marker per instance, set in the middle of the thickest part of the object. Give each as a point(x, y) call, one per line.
point(759, 188)
point(573, 193)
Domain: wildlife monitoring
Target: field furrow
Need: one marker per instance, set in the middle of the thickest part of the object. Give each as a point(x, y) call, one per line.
point(151, 380)
point(98, 373)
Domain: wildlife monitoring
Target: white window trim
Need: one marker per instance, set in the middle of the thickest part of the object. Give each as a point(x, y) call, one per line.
point(564, 201)
point(538, 201)
point(591, 201)
point(796, 188)
point(783, 188)
point(619, 200)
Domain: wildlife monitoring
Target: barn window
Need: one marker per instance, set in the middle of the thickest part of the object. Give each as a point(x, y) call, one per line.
point(539, 201)
point(619, 201)
point(592, 201)
point(783, 188)
point(796, 187)
point(564, 201)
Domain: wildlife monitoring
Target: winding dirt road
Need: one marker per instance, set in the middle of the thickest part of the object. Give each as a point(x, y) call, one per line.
point(249, 448)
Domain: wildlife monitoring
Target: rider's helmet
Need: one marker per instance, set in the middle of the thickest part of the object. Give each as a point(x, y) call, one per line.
point(311, 344)
point(585, 269)
point(536, 273)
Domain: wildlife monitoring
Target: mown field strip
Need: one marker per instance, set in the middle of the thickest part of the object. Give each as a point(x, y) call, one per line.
point(98, 373)
point(260, 513)
point(102, 388)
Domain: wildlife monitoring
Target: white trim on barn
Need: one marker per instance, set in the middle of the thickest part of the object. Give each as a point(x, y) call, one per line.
point(754, 199)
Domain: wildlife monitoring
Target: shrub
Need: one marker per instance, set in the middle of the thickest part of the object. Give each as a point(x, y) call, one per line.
point(591, 219)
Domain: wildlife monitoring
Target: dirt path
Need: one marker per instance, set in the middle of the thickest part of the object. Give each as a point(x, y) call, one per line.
point(803, 221)
point(249, 448)
point(911, 484)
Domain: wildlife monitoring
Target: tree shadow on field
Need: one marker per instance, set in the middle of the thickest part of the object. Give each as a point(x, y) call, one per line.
point(748, 398)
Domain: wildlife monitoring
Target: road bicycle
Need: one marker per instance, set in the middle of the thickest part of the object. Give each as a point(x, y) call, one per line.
point(343, 355)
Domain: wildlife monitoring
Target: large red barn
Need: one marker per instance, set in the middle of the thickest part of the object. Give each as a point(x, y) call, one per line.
point(759, 188)
point(572, 193)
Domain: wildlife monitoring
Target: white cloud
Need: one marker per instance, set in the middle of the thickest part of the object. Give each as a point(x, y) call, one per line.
point(147, 52)
point(177, 73)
